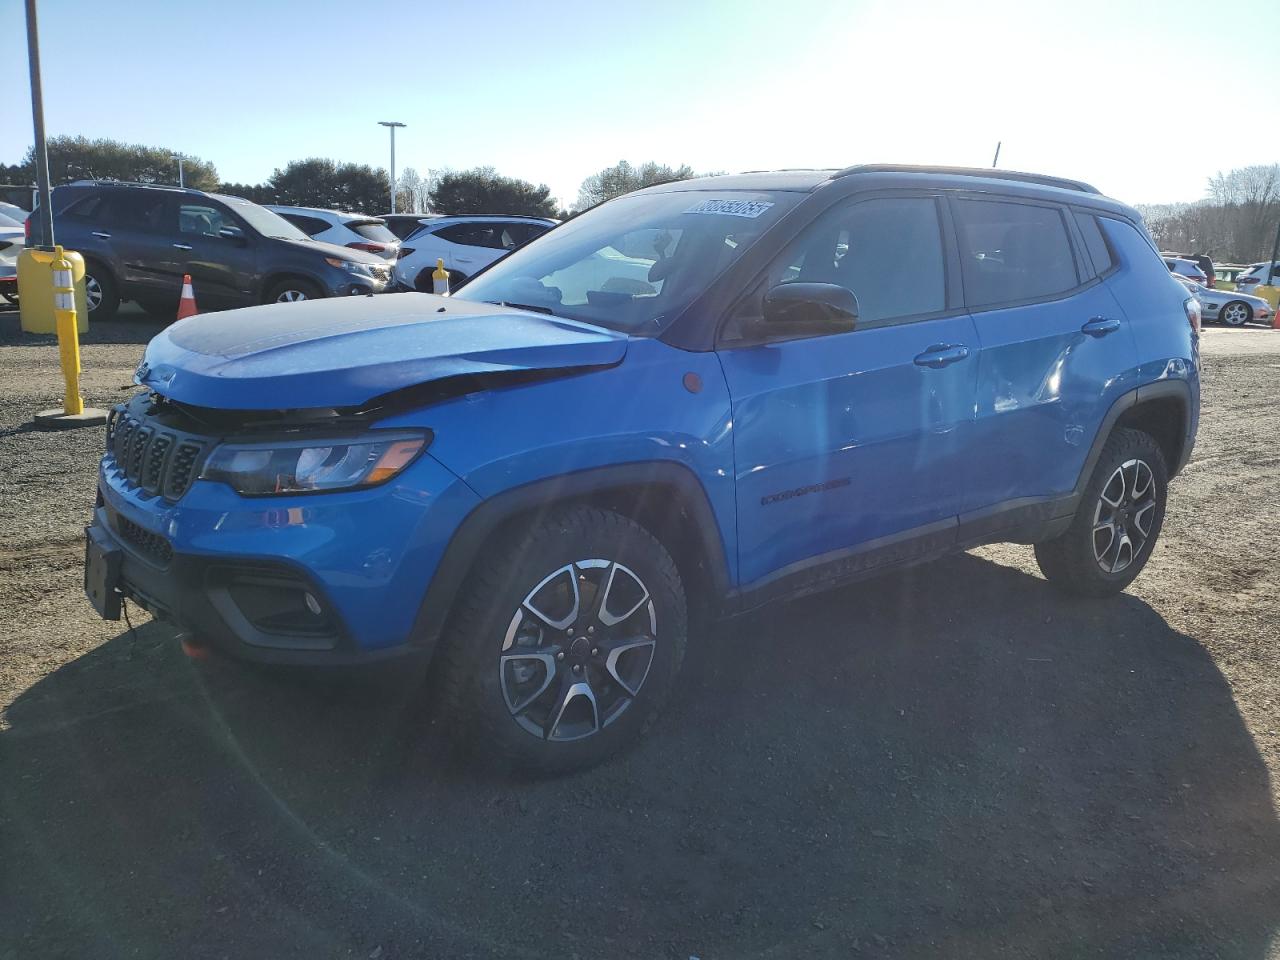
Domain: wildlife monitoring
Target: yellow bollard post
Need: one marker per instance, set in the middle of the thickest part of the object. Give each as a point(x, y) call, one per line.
point(64, 312)
point(73, 413)
point(440, 279)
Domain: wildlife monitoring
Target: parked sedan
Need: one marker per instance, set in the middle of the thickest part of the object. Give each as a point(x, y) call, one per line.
point(466, 244)
point(11, 243)
point(1231, 307)
point(345, 229)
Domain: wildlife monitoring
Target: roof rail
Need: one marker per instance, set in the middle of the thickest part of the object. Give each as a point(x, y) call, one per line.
point(107, 182)
point(986, 172)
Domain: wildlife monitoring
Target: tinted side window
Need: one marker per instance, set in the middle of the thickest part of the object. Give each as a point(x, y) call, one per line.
point(1013, 251)
point(474, 234)
point(888, 251)
point(86, 208)
point(202, 219)
point(1095, 243)
point(138, 210)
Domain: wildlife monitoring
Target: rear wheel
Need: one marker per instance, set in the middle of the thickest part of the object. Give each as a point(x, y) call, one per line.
point(102, 296)
point(293, 290)
point(1117, 522)
point(1236, 313)
point(565, 643)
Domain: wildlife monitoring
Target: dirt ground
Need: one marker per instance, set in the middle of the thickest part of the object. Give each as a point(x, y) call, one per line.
point(950, 762)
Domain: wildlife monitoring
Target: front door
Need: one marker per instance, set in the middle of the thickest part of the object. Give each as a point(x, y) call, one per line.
point(217, 251)
point(847, 446)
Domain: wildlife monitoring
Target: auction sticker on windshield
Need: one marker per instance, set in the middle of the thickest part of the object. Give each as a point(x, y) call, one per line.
point(733, 208)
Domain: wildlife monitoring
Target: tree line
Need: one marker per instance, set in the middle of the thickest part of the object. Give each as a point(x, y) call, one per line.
point(1235, 223)
point(322, 182)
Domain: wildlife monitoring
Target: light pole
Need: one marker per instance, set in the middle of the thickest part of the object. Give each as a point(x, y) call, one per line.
point(37, 121)
point(391, 125)
point(181, 180)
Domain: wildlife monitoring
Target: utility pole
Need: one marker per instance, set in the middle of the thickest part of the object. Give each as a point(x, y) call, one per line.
point(996, 158)
point(181, 179)
point(37, 121)
point(391, 125)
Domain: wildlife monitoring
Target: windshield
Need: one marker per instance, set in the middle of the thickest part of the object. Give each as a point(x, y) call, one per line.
point(266, 222)
point(635, 263)
point(8, 221)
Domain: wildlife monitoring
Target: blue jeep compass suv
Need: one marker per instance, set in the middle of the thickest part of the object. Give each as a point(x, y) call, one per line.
point(684, 402)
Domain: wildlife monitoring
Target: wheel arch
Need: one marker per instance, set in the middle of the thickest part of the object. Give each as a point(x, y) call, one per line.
point(663, 497)
point(270, 281)
point(1162, 410)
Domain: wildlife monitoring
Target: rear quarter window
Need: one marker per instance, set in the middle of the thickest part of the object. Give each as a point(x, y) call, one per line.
point(1095, 243)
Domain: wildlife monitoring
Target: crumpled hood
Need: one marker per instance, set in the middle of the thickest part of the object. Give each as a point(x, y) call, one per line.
point(344, 352)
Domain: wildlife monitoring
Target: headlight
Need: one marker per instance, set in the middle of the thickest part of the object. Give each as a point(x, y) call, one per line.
point(351, 266)
point(308, 466)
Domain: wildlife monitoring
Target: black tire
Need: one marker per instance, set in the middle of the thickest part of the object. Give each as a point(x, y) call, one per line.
point(1076, 561)
point(101, 292)
point(493, 635)
point(424, 282)
point(1235, 313)
point(293, 290)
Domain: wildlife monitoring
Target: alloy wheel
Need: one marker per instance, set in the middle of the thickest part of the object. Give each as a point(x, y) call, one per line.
point(1235, 314)
point(578, 650)
point(291, 296)
point(1123, 518)
point(92, 292)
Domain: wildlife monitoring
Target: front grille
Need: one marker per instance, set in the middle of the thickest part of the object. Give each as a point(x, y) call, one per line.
point(152, 456)
point(149, 545)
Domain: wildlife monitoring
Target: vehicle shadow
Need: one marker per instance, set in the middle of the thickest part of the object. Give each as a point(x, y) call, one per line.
point(951, 762)
point(130, 326)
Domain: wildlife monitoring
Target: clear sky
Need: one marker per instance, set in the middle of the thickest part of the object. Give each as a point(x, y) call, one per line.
point(1144, 99)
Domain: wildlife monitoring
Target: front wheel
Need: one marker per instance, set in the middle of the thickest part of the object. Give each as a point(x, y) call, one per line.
point(293, 291)
point(566, 642)
point(1117, 522)
point(1236, 313)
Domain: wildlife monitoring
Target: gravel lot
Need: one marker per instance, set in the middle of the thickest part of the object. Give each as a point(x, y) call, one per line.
point(950, 762)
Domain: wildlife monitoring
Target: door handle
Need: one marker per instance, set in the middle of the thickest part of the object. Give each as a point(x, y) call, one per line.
point(1101, 326)
point(182, 246)
point(942, 355)
point(104, 236)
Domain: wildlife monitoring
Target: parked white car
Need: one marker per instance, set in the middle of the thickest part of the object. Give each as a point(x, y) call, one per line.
point(1257, 274)
point(1186, 268)
point(405, 224)
point(466, 244)
point(346, 229)
point(12, 240)
point(1231, 307)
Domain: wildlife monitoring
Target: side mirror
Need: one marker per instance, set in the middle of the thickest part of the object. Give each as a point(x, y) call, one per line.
point(813, 308)
point(234, 234)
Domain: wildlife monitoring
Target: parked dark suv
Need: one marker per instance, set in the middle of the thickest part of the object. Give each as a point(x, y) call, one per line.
point(138, 240)
point(686, 402)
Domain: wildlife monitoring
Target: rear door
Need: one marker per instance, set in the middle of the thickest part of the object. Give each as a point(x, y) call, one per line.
point(1056, 350)
point(138, 226)
point(847, 446)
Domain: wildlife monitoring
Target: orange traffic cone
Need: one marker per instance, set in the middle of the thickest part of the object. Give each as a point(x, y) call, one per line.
point(187, 305)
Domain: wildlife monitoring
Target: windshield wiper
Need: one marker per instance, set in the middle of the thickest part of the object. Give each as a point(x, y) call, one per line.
point(524, 306)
